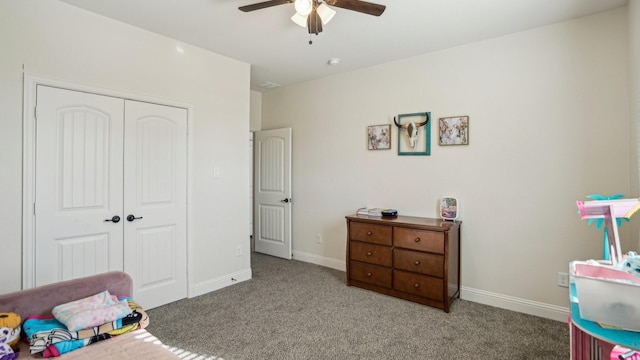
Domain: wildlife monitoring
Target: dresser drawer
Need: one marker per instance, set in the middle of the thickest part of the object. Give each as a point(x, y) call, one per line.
point(424, 263)
point(424, 240)
point(370, 253)
point(421, 285)
point(376, 234)
point(372, 274)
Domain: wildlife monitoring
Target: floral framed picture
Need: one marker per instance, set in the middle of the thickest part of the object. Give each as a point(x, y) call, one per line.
point(379, 137)
point(454, 130)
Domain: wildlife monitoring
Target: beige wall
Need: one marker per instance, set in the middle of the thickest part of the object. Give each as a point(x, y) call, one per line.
point(549, 124)
point(58, 41)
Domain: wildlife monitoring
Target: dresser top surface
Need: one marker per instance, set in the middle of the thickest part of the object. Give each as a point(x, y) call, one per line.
point(413, 221)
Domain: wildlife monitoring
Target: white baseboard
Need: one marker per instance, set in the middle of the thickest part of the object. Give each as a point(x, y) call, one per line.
point(320, 260)
point(524, 306)
point(219, 283)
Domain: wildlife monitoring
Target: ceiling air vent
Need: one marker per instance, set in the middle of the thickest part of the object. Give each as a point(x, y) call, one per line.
point(269, 85)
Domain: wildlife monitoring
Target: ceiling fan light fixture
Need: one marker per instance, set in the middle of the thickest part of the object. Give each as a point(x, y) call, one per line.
point(299, 19)
point(326, 13)
point(314, 23)
point(303, 7)
point(316, 13)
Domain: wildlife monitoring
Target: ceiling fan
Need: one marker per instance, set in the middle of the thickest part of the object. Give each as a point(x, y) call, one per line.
point(312, 14)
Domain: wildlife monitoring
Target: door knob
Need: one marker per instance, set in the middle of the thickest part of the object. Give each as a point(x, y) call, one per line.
point(132, 217)
point(286, 200)
point(115, 219)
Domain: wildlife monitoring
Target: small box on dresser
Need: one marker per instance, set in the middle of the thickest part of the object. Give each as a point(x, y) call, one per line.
point(412, 258)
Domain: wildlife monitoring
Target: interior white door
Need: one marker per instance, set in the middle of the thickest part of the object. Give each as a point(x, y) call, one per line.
point(78, 184)
point(272, 184)
point(155, 199)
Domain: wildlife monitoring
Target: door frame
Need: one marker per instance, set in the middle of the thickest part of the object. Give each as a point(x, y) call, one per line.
point(29, 156)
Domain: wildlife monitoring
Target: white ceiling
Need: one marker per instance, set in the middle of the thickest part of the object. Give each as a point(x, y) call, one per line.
point(279, 51)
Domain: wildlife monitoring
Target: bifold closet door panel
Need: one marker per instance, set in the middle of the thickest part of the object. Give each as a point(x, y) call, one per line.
point(78, 192)
point(155, 198)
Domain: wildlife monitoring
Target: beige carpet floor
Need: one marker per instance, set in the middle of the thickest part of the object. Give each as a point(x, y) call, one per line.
point(296, 310)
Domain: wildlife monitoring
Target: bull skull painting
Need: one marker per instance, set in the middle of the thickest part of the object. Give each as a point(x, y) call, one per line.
point(411, 128)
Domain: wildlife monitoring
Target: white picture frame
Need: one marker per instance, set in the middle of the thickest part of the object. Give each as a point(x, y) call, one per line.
point(449, 208)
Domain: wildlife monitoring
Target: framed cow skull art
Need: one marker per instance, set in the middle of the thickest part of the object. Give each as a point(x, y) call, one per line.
point(414, 133)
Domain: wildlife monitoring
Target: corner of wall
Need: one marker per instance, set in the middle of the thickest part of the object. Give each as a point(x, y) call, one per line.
point(255, 116)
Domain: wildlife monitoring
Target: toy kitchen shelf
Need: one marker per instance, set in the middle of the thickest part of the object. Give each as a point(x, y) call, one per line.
point(589, 340)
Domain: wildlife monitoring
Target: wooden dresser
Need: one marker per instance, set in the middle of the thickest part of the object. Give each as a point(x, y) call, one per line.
point(413, 258)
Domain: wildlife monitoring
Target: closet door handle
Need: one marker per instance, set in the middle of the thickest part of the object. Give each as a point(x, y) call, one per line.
point(114, 219)
point(132, 217)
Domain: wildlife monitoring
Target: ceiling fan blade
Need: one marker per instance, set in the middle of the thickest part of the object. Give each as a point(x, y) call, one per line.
point(264, 4)
point(359, 6)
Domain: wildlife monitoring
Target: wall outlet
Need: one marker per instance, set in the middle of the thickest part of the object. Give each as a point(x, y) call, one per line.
point(563, 279)
point(318, 238)
point(238, 250)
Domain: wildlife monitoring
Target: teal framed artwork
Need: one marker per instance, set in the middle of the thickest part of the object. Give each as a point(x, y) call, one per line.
point(414, 133)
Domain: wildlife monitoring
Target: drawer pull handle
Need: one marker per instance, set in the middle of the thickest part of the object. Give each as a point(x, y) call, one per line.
point(369, 274)
point(417, 240)
point(369, 253)
point(369, 233)
point(416, 285)
point(417, 262)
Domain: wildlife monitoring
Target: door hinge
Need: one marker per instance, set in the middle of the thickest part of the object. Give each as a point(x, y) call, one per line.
point(34, 209)
point(35, 112)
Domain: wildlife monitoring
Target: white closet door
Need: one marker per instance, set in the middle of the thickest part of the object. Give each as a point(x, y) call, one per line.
point(155, 202)
point(111, 183)
point(79, 173)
